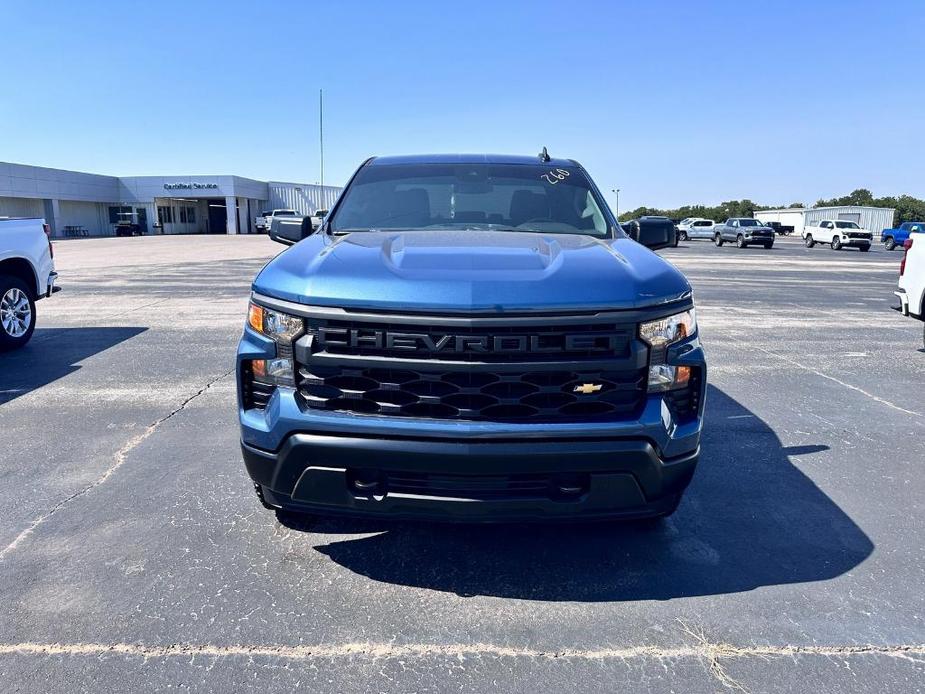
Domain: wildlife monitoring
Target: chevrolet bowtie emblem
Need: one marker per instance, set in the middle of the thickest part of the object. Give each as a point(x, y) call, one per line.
point(587, 388)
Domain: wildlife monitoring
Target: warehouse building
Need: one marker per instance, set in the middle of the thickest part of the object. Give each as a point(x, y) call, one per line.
point(84, 204)
point(874, 219)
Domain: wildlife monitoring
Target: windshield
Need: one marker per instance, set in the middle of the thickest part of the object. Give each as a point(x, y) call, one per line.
point(749, 223)
point(508, 197)
point(847, 225)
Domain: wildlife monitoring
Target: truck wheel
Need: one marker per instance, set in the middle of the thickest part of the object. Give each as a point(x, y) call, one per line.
point(17, 313)
point(740, 241)
point(808, 241)
point(718, 240)
point(889, 243)
point(768, 246)
point(836, 243)
point(864, 249)
point(683, 235)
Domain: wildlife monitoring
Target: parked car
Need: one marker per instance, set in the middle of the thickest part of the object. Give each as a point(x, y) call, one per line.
point(264, 220)
point(743, 232)
point(696, 228)
point(838, 233)
point(911, 290)
point(127, 225)
point(779, 228)
point(471, 337)
point(891, 238)
point(27, 274)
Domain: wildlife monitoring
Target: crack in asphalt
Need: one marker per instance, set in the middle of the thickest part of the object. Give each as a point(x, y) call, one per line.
point(712, 654)
point(701, 649)
point(118, 461)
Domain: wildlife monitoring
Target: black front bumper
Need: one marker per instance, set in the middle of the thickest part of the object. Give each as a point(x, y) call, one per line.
point(470, 481)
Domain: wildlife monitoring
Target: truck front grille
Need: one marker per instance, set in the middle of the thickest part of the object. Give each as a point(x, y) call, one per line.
point(560, 381)
point(475, 395)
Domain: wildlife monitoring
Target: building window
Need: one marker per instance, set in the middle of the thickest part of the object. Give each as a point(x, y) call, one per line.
point(187, 215)
point(164, 214)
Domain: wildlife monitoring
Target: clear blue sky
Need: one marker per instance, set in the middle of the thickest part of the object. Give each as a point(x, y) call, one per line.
point(672, 102)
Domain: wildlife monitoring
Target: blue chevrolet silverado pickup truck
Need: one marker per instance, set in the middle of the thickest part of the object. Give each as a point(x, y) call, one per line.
point(893, 238)
point(473, 338)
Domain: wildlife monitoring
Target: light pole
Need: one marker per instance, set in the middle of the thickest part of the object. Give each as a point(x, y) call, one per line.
point(616, 191)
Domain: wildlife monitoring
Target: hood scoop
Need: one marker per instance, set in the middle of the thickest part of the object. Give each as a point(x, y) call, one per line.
point(469, 252)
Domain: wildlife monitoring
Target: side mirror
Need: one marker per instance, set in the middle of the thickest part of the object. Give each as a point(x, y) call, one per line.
point(654, 234)
point(291, 230)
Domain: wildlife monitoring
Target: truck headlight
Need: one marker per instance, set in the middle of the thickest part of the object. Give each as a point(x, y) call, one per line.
point(282, 328)
point(659, 335)
point(274, 324)
point(667, 331)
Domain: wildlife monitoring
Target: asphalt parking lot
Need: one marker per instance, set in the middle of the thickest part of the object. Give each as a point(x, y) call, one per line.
point(134, 555)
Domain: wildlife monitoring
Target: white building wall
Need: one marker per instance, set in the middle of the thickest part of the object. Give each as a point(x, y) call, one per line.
point(302, 197)
point(793, 218)
point(21, 207)
point(94, 217)
point(874, 219)
point(20, 180)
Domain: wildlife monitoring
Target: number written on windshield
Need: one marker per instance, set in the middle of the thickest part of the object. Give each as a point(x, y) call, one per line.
point(554, 176)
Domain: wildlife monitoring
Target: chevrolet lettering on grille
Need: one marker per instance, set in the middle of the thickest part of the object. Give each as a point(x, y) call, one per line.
point(449, 343)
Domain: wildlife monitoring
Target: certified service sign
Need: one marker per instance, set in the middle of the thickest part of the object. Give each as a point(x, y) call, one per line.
point(190, 186)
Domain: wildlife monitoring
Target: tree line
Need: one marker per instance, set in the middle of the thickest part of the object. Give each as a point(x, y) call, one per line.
point(908, 208)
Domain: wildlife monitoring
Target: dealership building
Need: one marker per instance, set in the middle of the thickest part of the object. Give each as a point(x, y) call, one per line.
point(84, 204)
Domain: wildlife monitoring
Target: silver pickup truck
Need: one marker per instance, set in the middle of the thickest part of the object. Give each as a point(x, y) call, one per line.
point(743, 232)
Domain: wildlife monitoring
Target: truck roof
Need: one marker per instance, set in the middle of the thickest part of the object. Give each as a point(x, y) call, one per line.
point(468, 159)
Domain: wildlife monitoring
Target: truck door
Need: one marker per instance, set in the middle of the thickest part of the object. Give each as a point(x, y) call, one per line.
point(731, 230)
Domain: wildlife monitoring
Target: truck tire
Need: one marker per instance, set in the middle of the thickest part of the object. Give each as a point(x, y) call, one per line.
point(740, 241)
point(17, 313)
point(864, 249)
point(808, 241)
point(718, 239)
point(889, 243)
point(682, 235)
point(836, 243)
point(768, 245)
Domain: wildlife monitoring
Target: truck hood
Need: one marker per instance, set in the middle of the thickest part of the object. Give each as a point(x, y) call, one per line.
point(456, 270)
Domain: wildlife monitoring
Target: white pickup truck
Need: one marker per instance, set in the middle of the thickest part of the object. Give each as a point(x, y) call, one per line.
point(696, 228)
point(264, 220)
point(27, 274)
point(838, 233)
point(911, 291)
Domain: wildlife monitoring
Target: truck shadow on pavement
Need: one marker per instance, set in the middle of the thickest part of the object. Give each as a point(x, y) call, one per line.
point(52, 354)
point(750, 518)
